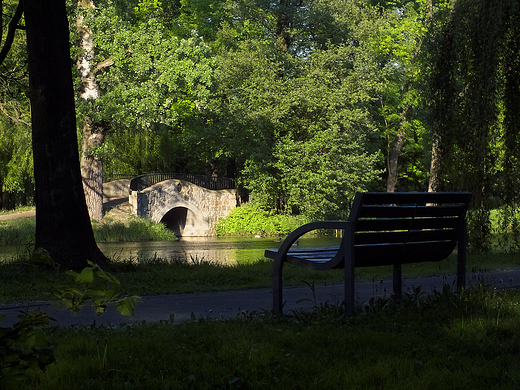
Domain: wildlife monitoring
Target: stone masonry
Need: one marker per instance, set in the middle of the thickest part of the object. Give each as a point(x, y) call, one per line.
point(202, 207)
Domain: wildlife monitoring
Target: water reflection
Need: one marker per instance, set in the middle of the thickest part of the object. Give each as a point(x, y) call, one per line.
point(216, 249)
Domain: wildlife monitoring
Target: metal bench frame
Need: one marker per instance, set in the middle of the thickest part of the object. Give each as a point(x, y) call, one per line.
point(383, 229)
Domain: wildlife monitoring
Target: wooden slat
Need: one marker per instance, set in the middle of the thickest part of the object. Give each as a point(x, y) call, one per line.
point(398, 211)
point(405, 236)
point(415, 197)
point(406, 223)
point(316, 260)
point(376, 255)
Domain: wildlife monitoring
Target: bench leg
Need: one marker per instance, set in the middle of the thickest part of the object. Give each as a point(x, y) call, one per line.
point(461, 259)
point(277, 287)
point(349, 271)
point(398, 281)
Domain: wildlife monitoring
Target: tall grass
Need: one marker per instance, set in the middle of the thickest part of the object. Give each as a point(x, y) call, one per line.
point(21, 231)
point(131, 229)
point(17, 231)
point(442, 341)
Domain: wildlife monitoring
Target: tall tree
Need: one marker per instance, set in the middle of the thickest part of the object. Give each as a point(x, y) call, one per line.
point(400, 44)
point(62, 222)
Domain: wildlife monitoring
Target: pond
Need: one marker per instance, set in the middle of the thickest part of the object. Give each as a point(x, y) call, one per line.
point(223, 250)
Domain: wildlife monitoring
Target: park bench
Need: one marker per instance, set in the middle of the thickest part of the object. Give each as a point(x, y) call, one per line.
point(383, 229)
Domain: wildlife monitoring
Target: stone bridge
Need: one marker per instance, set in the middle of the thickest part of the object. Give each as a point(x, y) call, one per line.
point(190, 205)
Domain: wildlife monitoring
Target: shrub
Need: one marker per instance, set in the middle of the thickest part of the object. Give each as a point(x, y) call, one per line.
point(250, 219)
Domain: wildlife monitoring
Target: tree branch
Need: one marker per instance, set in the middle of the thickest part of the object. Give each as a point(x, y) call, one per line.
point(13, 25)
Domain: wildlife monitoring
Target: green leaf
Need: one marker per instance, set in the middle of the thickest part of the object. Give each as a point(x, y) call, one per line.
point(86, 276)
point(100, 309)
point(127, 305)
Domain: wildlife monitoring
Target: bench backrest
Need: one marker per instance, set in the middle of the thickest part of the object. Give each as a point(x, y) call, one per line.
point(412, 227)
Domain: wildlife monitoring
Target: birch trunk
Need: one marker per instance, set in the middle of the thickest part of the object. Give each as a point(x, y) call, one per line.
point(93, 134)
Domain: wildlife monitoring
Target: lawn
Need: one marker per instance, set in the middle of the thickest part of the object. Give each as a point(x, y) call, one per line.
point(442, 341)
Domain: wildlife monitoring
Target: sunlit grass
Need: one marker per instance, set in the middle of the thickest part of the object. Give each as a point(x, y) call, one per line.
point(21, 231)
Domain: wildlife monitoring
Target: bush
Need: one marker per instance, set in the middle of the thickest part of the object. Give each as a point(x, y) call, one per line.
point(250, 219)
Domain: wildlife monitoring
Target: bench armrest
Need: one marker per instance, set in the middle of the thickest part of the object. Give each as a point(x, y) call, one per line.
point(296, 234)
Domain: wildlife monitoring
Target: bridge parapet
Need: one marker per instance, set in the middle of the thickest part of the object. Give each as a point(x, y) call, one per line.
point(141, 182)
point(186, 208)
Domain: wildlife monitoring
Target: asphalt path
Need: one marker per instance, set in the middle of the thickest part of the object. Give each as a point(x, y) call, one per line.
point(178, 308)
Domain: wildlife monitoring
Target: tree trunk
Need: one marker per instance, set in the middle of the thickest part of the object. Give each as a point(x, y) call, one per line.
point(395, 152)
point(283, 24)
point(92, 169)
point(62, 222)
point(434, 167)
point(393, 157)
point(93, 134)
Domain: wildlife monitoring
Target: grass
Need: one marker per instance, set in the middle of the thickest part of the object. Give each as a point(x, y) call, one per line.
point(111, 229)
point(19, 281)
point(442, 341)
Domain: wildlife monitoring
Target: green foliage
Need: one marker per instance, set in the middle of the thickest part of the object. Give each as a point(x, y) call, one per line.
point(16, 163)
point(157, 81)
point(98, 287)
point(24, 347)
point(227, 88)
point(251, 219)
point(400, 111)
point(16, 166)
point(316, 121)
point(148, 8)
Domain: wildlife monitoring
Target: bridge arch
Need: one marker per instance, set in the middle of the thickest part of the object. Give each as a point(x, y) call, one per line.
point(186, 208)
point(184, 218)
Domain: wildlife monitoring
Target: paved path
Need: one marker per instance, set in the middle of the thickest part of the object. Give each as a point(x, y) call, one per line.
point(23, 214)
point(220, 305)
point(108, 203)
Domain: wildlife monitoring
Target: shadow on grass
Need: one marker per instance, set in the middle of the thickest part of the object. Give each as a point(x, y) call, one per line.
point(438, 341)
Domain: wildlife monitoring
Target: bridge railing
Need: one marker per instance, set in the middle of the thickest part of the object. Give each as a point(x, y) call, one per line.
point(141, 182)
